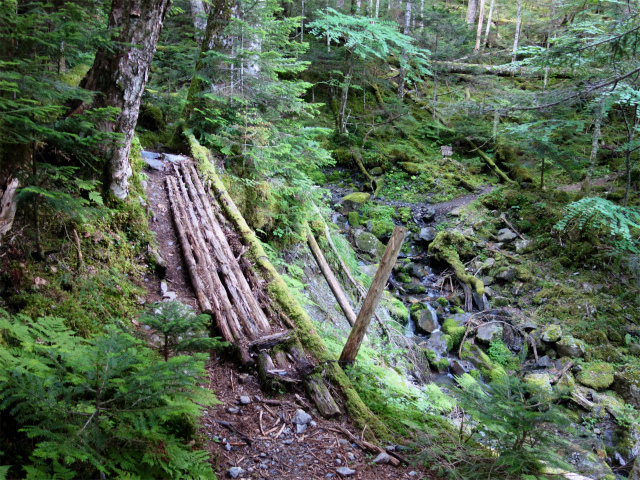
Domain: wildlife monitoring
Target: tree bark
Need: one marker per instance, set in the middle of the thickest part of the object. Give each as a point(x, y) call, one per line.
point(472, 9)
point(599, 113)
point(120, 76)
point(403, 71)
point(351, 348)
point(486, 34)
point(479, 32)
point(8, 205)
point(517, 36)
point(199, 16)
point(342, 126)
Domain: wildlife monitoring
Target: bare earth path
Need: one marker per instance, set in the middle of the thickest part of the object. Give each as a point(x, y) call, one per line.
point(258, 440)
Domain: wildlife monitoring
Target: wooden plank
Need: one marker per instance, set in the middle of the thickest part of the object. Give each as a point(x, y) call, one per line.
point(350, 350)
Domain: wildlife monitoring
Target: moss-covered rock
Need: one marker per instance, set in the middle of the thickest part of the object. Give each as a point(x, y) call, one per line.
point(571, 347)
point(539, 383)
point(397, 310)
point(627, 384)
point(376, 171)
point(354, 201)
point(410, 168)
point(598, 376)
point(552, 333)
point(354, 219)
point(451, 328)
point(368, 243)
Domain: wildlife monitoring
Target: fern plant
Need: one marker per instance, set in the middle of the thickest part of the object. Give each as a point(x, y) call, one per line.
point(99, 407)
point(601, 214)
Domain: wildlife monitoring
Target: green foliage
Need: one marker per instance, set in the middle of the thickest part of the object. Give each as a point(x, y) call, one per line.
point(500, 354)
point(84, 403)
point(597, 214)
point(180, 329)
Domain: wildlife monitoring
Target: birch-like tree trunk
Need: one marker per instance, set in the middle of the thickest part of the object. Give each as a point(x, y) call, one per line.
point(489, 18)
point(199, 16)
point(472, 8)
point(552, 13)
point(342, 121)
point(479, 32)
point(403, 61)
point(599, 115)
point(377, 8)
point(120, 76)
point(517, 36)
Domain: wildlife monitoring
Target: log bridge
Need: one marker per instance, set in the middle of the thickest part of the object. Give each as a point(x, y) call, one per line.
point(228, 290)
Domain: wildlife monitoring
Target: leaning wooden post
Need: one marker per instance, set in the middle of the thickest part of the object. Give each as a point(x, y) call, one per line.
point(373, 297)
point(331, 279)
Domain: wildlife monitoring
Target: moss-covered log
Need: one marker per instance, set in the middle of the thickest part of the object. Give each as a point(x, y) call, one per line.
point(278, 290)
point(446, 248)
point(492, 165)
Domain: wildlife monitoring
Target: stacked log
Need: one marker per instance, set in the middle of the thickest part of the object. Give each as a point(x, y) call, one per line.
point(226, 289)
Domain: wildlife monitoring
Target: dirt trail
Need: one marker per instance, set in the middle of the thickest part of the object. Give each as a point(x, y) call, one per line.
point(258, 440)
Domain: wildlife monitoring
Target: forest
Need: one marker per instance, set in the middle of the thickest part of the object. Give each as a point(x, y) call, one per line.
point(307, 239)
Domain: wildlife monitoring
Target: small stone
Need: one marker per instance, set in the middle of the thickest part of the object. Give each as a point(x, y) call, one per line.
point(234, 410)
point(244, 378)
point(488, 333)
point(350, 456)
point(245, 400)
point(428, 234)
point(545, 362)
point(455, 212)
point(301, 428)
point(313, 424)
point(506, 235)
point(507, 275)
point(382, 458)
point(257, 398)
point(522, 245)
point(553, 333)
point(163, 287)
point(301, 417)
point(345, 472)
point(235, 472)
point(338, 461)
point(413, 473)
point(227, 447)
point(428, 215)
point(597, 431)
point(169, 296)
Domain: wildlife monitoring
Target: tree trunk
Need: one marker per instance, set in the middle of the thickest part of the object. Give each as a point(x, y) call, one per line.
point(472, 9)
point(517, 37)
point(486, 34)
point(120, 76)
point(632, 125)
point(403, 61)
point(594, 143)
point(377, 8)
point(479, 33)
point(345, 93)
point(199, 16)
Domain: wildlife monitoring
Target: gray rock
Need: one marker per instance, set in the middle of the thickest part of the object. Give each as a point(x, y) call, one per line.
point(235, 472)
point(487, 280)
point(489, 332)
point(507, 275)
point(163, 287)
point(506, 235)
point(427, 234)
point(301, 417)
point(367, 242)
point(152, 159)
point(169, 296)
point(427, 321)
point(369, 270)
point(436, 344)
point(350, 456)
point(245, 400)
point(418, 270)
point(634, 349)
point(233, 410)
point(522, 245)
point(455, 212)
point(382, 458)
point(488, 291)
point(301, 428)
point(460, 367)
point(635, 472)
point(552, 333)
point(345, 472)
point(488, 263)
point(175, 158)
point(428, 215)
point(545, 362)
point(480, 301)
point(568, 346)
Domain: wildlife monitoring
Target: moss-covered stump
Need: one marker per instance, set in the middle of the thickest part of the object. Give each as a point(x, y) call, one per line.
point(287, 303)
point(627, 384)
point(598, 376)
point(448, 247)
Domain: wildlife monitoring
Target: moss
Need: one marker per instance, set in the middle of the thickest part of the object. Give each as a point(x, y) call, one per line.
point(150, 117)
point(442, 365)
point(404, 278)
point(442, 301)
point(354, 219)
point(448, 339)
point(475, 374)
point(404, 214)
point(382, 229)
point(552, 333)
point(410, 168)
point(539, 383)
point(598, 376)
point(397, 310)
point(451, 328)
point(318, 177)
point(356, 197)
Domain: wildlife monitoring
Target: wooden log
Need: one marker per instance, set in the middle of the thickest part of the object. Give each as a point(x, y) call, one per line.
point(8, 206)
point(189, 260)
point(270, 341)
point(321, 397)
point(341, 298)
point(350, 350)
point(243, 297)
point(559, 375)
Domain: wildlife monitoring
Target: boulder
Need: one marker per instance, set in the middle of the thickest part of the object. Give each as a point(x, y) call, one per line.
point(427, 321)
point(568, 346)
point(506, 235)
point(489, 332)
point(540, 383)
point(627, 384)
point(428, 215)
point(544, 362)
point(460, 367)
point(354, 201)
point(417, 270)
point(437, 344)
point(507, 275)
point(522, 246)
point(598, 376)
point(367, 242)
point(376, 171)
point(552, 333)
point(427, 234)
point(455, 212)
